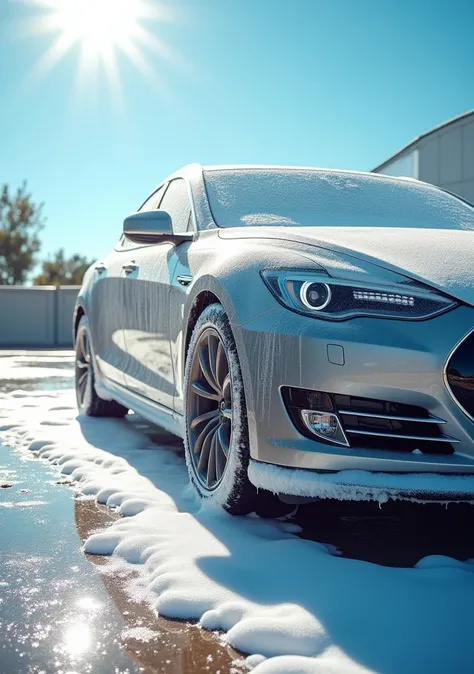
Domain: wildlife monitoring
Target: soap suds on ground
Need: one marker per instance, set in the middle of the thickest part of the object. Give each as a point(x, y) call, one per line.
point(289, 601)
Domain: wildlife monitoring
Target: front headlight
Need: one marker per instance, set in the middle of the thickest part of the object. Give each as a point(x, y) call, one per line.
point(319, 295)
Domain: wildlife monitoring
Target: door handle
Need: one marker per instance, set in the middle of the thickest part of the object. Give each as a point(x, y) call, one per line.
point(184, 280)
point(129, 267)
point(100, 267)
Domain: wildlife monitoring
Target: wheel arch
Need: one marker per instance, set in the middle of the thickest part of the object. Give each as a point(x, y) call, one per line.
point(219, 295)
point(79, 312)
point(202, 300)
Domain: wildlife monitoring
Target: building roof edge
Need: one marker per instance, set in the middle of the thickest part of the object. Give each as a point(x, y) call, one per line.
point(416, 140)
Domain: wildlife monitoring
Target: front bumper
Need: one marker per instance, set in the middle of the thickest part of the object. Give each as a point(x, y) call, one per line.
point(398, 361)
point(358, 485)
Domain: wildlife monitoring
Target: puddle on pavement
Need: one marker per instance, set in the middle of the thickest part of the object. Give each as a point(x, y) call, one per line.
point(59, 383)
point(22, 367)
point(58, 614)
point(64, 364)
point(177, 646)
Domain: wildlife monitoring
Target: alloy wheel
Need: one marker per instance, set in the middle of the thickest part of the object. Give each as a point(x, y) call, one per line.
point(209, 409)
point(83, 365)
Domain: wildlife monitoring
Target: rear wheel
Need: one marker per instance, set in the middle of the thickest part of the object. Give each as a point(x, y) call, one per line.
point(216, 438)
point(88, 402)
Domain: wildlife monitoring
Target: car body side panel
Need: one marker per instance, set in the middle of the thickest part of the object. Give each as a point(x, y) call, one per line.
point(105, 304)
point(149, 369)
point(179, 293)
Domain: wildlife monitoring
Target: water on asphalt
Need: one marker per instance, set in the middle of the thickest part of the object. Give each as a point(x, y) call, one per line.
point(58, 614)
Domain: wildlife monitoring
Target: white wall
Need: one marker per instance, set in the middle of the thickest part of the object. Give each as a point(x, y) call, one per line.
point(447, 158)
point(40, 316)
point(405, 166)
point(444, 158)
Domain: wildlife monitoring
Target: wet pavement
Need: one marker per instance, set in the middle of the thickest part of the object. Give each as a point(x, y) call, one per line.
point(36, 370)
point(60, 614)
point(57, 613)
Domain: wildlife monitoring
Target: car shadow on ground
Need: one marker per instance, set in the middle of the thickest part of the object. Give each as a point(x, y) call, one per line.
point(390, 620)
point(397, 533)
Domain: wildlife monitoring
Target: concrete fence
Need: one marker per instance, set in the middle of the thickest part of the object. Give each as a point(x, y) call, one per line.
point(40, 316)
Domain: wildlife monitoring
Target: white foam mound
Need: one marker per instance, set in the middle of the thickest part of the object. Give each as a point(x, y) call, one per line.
point(288, 600)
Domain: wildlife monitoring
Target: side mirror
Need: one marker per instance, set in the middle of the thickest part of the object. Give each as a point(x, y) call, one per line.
point(152, 227)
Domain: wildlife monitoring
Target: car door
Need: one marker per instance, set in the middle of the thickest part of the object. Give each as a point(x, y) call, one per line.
point(106, 317)
point(147, 305)
point(178, 296)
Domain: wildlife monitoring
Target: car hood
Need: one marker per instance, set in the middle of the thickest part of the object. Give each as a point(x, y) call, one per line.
point(441, 258)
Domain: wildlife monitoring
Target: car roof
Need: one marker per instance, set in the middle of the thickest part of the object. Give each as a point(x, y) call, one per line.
point(190, 170)
point(282, 167)
point(315, 169)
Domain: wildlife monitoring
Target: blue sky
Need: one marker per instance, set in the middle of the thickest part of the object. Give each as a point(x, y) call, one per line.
point(335, 83)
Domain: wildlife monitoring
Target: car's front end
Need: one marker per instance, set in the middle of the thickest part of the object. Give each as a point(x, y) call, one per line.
point(375, 395)
point(359, 366)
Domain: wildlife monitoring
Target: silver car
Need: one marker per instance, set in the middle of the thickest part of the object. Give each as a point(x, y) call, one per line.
point(307, 332)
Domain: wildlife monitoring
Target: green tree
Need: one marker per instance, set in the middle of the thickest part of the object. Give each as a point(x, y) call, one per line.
point(21, 220)
point(60, 270)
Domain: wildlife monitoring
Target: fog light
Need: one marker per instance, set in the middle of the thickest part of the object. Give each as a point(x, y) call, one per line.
point(325, 425)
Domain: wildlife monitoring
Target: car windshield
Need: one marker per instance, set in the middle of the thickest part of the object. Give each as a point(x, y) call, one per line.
point(304, 198)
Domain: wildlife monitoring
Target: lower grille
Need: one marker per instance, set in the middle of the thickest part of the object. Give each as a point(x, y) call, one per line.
point(380, 424)
point(460, 375)
point(374, 424)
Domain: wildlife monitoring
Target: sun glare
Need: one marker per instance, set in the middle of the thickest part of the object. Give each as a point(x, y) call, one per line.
point(99, 23)
point(102, 29)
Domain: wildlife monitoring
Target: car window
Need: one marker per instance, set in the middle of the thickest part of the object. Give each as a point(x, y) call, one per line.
point(176, 203)
point(153, 202)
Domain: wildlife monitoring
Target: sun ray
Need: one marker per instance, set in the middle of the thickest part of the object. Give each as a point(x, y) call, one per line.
point(54, 54)
point(134, 54)
point(37, 26)
point(110, 65)
point(88, 67)
point(158, 46)
point(45, 4)
point(102, 29)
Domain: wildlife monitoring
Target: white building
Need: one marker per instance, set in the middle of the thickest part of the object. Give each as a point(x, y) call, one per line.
point(443, 156)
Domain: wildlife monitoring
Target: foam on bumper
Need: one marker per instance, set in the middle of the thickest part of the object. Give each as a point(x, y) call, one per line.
point(359, 485)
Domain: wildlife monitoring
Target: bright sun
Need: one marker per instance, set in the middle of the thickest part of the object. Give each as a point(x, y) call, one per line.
point(98, 23)
point(101, 29)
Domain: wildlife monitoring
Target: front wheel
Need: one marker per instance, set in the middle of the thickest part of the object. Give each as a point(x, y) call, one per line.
point(88, 402)
point(216, 438)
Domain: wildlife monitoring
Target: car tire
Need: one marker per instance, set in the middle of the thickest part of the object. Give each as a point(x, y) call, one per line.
point(213, 369)
point(88, 402)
